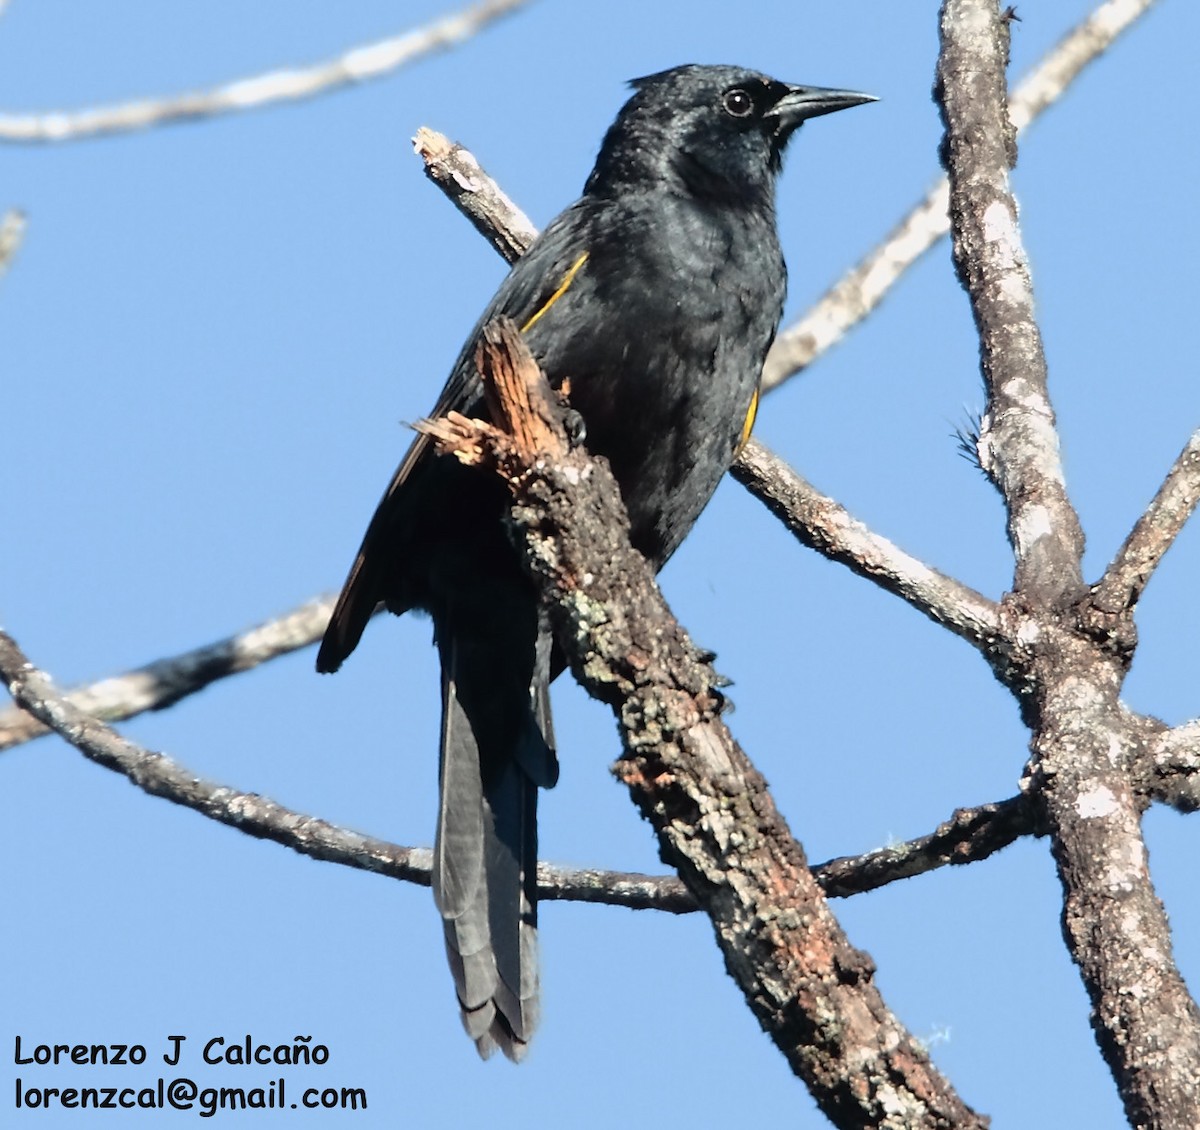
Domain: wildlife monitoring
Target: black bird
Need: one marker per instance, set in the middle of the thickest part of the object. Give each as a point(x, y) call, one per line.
point(656, 295)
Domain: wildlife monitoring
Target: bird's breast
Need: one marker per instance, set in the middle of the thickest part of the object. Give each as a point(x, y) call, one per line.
point(662, 335)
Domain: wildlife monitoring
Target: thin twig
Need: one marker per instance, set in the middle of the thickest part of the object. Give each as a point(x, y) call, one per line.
point(12, 231)
point(824, 525)
point(457, 172)
point(370, 61)
point(160, 776)
point(165, 681)
point(969, 835)
point(859, 290)
point(1153, 534)
point(864, 286)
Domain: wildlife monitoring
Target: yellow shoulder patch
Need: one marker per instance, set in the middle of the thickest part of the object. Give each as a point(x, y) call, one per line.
point(748, 423)
point(562, 289)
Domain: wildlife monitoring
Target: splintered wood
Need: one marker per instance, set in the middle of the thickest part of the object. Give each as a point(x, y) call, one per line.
point(527, 420)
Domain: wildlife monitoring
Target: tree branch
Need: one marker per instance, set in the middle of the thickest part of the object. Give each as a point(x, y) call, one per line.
point(1085, 745)
point(12, 231)
point(164, 682)
point(969, 835)
point(1121, 586)
point(457, 172)
point(1018, 440)
point(859, 290)
point(1084, 751)
point(1064, 63)
point(373, 60)
point(811, 991)
point(160, 776)
point(824, 525)
point(1174, 763)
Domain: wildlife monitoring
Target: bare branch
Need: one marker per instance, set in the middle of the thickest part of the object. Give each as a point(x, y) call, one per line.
point(969, 835)
point(165, 681)
point(1018, 440)
point(258, 816)
point(160, 776)
point(615, 888)
point(859, 290)
point(373, 60)
point(811, 991)
point(864, 286)
point(12, 231)
point(459, 175)
point(824, 525)
point(1174, 759)
point(1085, 743)
point(1146, 1024)
point(1121, 586)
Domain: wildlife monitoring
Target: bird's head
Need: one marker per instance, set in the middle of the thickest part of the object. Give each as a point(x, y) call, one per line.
point(716, 130)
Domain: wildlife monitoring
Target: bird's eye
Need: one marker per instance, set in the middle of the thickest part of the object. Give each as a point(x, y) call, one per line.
point(737, 103)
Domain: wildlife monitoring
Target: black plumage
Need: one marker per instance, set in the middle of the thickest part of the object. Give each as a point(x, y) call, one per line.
point(656, 295)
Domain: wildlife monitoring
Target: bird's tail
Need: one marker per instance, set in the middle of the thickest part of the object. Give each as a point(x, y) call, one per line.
point(495, 753)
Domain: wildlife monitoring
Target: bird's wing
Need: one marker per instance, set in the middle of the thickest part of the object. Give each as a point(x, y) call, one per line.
point(535, 283)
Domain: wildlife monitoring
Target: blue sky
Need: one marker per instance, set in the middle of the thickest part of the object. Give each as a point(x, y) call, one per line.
point(211, 338)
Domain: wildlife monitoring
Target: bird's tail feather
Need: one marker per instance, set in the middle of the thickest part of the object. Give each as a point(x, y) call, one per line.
point(485, 856)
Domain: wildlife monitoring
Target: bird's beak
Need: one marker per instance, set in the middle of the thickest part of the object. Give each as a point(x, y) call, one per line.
point(803, 102)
